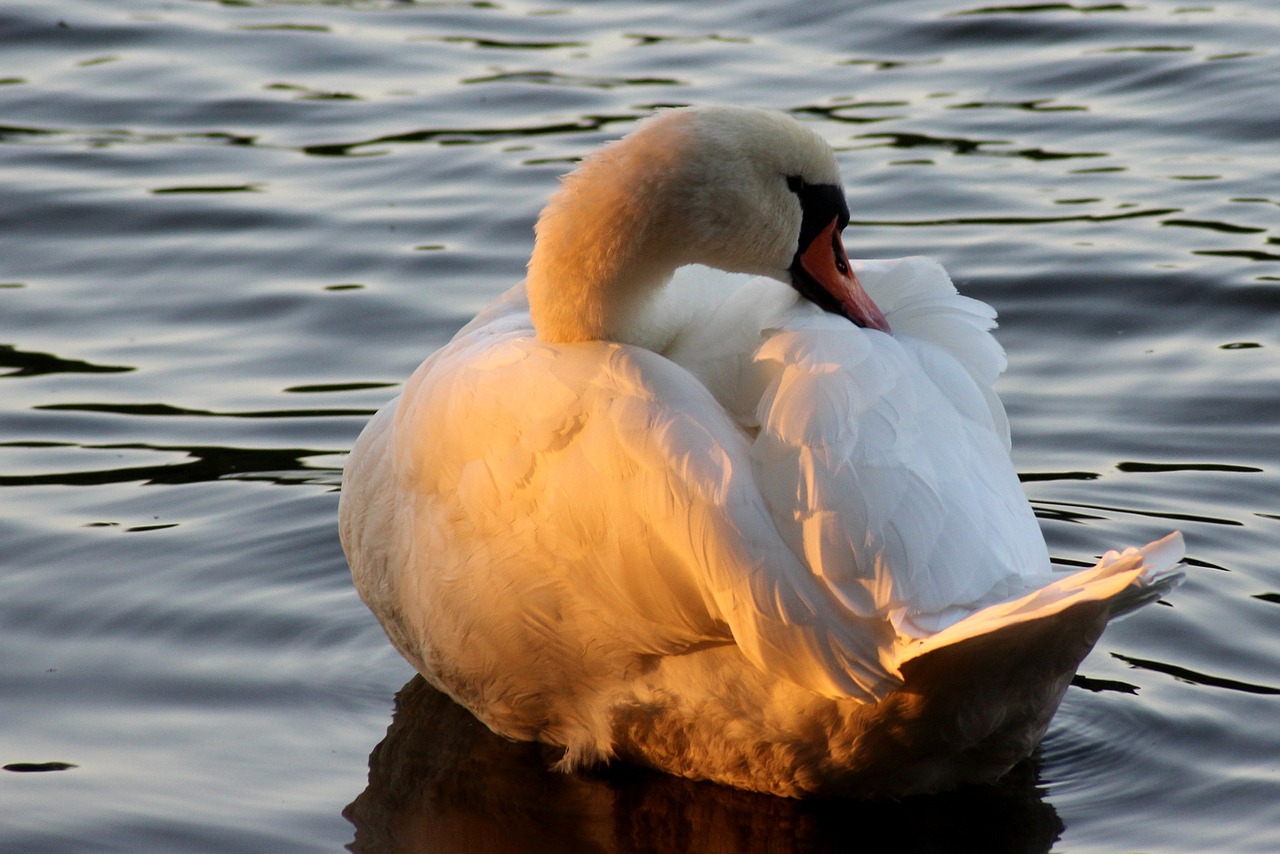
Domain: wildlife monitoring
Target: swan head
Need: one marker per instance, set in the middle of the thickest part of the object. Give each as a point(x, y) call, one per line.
point(740, 189)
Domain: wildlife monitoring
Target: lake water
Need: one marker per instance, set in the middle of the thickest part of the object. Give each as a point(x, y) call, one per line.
point(228, 231)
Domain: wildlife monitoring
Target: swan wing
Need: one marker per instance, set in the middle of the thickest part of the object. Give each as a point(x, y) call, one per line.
point(919, 297)
point(612, 475)
point(885, 458)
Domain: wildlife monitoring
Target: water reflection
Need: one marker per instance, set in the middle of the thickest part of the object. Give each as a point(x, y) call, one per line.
point(441, 781)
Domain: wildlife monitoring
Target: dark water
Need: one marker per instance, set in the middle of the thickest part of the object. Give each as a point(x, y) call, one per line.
point(229, 230)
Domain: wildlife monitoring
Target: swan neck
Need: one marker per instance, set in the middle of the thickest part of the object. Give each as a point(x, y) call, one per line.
point(584, 294)
point(607, 244)
point(685, 187)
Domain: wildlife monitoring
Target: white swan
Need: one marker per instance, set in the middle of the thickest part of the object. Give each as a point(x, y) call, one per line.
point(759, 531)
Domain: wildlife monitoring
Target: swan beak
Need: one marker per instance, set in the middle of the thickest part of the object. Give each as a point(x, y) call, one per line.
point(826, 264)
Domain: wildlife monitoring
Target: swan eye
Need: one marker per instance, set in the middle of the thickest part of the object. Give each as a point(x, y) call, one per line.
point(841, 265)
point(795, 183)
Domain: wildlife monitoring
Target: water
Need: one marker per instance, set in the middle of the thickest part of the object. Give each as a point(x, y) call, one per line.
point(229, 230)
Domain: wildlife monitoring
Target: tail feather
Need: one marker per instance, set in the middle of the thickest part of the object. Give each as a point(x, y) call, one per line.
point(978, 696)
point(1124, 581)
point(1163, 574)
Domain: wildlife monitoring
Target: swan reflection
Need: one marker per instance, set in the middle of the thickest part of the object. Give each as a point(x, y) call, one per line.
point(441, 781)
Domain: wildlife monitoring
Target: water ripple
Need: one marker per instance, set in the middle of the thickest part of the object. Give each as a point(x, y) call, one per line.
point(167, 410)
point(197, 232)
point(465, 136)
point(205, 463)
point(31, 364)
point(1192, 677)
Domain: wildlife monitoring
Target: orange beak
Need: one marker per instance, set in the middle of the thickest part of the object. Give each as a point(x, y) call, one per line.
point(825, 261)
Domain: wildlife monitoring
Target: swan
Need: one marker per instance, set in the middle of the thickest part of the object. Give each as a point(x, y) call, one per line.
point(705, 495)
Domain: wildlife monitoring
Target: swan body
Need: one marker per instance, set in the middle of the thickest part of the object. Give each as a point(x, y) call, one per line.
point(760, 529)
